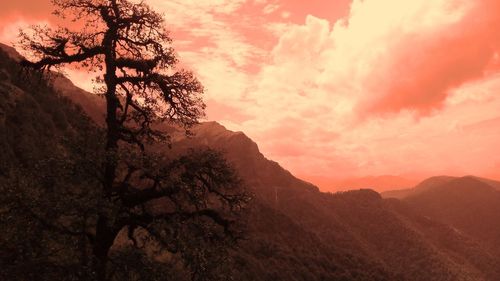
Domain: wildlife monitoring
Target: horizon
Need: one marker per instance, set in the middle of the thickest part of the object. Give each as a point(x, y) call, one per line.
point(339, 91)
point(250, 140)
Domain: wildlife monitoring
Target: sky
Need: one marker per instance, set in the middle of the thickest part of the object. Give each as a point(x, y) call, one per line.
point(339, 89)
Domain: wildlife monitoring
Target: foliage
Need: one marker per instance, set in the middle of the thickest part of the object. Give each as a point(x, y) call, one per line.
point(108, 189)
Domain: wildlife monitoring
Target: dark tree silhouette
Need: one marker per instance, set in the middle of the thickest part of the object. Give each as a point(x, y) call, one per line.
point(126, 43)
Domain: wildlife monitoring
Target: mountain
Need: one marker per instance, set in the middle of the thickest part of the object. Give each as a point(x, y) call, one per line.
point(431, 183)
point(92, 104)
point(469, 204)
point(378, 183)
point(422, 186)
point(294, 232)
point(361, 217)
point(360, 226)
point(32, 115)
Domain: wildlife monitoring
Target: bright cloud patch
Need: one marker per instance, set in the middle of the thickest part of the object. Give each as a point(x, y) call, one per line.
point(364, 94)
point(377, 87)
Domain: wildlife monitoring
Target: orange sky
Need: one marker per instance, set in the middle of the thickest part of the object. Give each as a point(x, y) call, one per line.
point(339, 89)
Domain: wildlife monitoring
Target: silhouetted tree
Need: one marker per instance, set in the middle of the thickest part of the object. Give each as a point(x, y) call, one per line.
point(192, 198)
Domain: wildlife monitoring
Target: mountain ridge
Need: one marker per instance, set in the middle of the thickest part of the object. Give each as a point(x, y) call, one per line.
point(295, 232)
point(433, 182)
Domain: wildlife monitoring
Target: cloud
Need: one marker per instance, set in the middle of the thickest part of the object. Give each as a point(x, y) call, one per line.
point(9, 32)
point(343, 88)
point(396, 55)
point(383, 82)
point(224, 112)
point(424, 64)
point(270, 8)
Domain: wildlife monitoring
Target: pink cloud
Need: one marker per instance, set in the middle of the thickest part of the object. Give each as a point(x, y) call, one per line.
point(220, 111)
point(297, 83)
point(387, 61)
point(423, 67)
point(326, 9)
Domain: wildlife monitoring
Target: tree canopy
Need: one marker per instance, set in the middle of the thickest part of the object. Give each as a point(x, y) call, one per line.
point(185, 205)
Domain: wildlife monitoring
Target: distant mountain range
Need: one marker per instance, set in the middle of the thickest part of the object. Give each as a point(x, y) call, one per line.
point(378, 183)
point(444, 228)
point(469, 204)
point(435, 182)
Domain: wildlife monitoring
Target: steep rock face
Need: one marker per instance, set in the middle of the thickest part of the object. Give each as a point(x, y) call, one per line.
point(259, 173)
point(294, 231)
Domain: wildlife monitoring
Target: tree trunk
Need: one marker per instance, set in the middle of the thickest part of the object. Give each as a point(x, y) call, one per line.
point(112, 103)
point(105, 234)
point(104, 238)
point(101, 268)
point(111, 141)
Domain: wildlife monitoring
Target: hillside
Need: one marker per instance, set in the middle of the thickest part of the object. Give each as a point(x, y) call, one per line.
point(378, 183)
point(44, 137)
point(357, 223)
point(431, 183)
point(471, 205)
point(295, 232)
point(422, 186)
